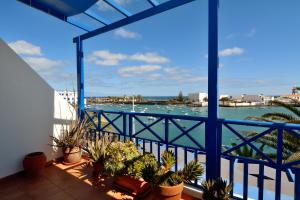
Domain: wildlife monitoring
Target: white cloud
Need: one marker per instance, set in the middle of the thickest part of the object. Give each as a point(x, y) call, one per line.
point(123, 33)
point(235, 51)
point(251, 33)
point(25, 48)
point(132, 71)
point(149, 58)
point(41, 64)
point(106, 58)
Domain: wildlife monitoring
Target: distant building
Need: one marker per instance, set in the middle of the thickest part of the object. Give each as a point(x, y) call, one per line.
point(268, 99)
point(295, 96)
point(248, 100)
point(198, 97)
point(70, 96)
point(222, 96)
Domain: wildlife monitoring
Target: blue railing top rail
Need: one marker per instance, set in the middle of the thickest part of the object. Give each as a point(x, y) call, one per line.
point(186, 117)
point(224, 121)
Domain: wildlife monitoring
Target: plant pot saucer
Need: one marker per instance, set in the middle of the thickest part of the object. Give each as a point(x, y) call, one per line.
point(73, 163)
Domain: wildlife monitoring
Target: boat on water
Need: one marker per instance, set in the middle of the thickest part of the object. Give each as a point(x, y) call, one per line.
point(151, 118)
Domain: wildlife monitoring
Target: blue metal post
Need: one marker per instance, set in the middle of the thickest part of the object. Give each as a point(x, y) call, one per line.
point(80, 78)
point(212, 144)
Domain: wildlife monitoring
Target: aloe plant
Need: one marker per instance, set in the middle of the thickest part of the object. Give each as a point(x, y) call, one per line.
point(160, 174)
point(216, 189)
point(97, 147)
point(72, 135)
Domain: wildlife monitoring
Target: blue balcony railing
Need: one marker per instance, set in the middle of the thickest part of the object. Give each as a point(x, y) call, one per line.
point(257, 177)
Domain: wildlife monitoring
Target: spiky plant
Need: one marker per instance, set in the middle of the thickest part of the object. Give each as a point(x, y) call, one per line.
point(97, 147)
point(72, 135)
point(291, 145)
point(161, 174)
point(216, 189)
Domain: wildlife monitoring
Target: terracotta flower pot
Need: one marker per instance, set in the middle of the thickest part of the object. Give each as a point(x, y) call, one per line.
point(34, 163)
point(72, 156)
point(169, 192)
point(136, 187)
point(97, 168)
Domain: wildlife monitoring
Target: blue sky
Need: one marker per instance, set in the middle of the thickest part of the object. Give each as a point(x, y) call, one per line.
point(259, 48)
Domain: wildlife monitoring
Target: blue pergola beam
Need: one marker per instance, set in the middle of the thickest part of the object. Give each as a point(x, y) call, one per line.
point(96, 17)
point(153, 2)
point(134, 18)
point(69, 21)
point(118, 8)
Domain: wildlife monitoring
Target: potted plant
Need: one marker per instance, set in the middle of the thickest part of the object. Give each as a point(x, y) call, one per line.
point(97, 149)
point(168, 184)
point(34, 163)
point(71, 141)
point(118, 153)
point(124, 161)
point(216, 190)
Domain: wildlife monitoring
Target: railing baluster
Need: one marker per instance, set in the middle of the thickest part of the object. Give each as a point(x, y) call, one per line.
point(124, 124)
point(144, 147)
point(260, 182)
point(130, 126)
point(297, 184)
point(278, 163)
point(151, 146)
point(167, 133)
point(245, 180)
point(185, 156)
point(231, 174)
point(158, 151)
point(196, 160)
point(176, 157)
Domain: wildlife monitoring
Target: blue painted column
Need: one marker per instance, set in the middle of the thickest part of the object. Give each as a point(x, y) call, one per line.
point(212, 138)
point(80, 78)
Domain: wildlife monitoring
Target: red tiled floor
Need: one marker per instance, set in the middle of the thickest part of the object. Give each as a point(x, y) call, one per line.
point(60, 182)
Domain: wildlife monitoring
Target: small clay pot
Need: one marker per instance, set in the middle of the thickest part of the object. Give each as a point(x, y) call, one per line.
point(136, 187)
point(34, 163)
point(72, 155)
point(169, 192)
point(98, 168)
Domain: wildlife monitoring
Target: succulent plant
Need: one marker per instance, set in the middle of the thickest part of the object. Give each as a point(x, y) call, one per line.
point(72, 135)
point(118, 153)
point(161, 174)
point(97, 147)
point(216, 190)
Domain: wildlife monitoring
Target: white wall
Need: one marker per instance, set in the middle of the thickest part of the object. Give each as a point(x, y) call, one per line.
point(29, 111)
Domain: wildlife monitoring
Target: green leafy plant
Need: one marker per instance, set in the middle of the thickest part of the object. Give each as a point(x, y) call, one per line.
point(97, 147)
point(118, 153)
point(160, 174)
point(216, 190)
point(136, 166)
point(72, 135)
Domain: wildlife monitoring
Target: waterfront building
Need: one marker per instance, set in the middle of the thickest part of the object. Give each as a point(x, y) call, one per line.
point(198, 97)
point(294, 96)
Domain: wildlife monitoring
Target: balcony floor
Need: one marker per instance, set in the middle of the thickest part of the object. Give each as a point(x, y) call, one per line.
point(62, 182)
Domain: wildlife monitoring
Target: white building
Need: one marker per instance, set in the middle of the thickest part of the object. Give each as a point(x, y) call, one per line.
point(198, 97)
point(224, 96)
point(70, 96)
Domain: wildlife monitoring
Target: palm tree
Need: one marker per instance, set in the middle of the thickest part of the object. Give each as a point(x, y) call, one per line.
point(291, 145)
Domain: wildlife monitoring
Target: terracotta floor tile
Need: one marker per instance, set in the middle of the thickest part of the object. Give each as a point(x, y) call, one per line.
point(60, 182)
